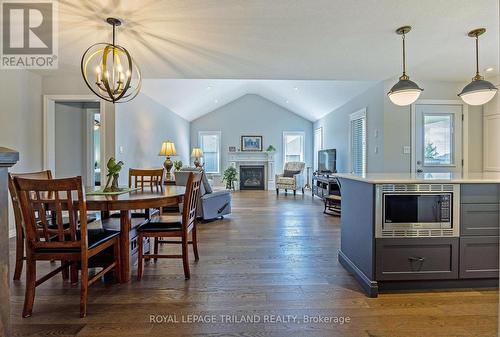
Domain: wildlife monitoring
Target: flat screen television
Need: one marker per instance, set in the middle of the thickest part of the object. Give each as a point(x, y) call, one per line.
point(327, 161)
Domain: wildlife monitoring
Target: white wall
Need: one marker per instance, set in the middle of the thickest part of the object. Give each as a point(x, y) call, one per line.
point(336, 129)
point(21, 120)
point(141, 126)
point(254, 115)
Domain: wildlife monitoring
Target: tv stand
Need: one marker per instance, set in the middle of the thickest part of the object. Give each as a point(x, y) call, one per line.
point(324, 185)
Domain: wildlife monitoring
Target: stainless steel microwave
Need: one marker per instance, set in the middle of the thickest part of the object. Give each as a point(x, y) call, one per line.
point(416, 210)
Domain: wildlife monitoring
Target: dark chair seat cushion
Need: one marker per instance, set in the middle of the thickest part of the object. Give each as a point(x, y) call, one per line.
point(96, 237)
point(136, 215)
point(162, 223)
point(52, 225)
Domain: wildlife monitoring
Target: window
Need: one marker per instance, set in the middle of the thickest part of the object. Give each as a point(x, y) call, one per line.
point(358, 142)
point(318, 145)
point(209, 142)
point(293, 146)
point(438, 139)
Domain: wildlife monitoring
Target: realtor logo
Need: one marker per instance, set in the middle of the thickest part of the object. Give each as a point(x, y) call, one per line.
point(29, 34)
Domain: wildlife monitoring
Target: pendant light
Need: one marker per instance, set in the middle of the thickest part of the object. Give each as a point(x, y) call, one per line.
point(479, 91)
point(109, 70)
point(405, 92)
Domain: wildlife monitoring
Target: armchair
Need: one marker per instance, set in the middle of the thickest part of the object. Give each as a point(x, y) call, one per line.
point(292, 177)
point(212, 204)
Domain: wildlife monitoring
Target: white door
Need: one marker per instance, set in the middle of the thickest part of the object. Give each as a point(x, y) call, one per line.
point(438, 138)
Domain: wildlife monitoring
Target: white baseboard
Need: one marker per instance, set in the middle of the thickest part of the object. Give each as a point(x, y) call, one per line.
point(12, 233)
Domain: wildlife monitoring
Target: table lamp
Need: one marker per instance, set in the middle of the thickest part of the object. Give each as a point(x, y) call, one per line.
point(196, 154)
point(167, 150)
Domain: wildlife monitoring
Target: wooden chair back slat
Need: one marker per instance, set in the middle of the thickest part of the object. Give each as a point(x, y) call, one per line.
point(146, 177)
point(191, 198)
point(18, 218)
point(67, 196)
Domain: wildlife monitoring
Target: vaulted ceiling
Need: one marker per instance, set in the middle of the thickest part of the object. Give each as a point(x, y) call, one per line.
point(309, 99)
point(284, 39)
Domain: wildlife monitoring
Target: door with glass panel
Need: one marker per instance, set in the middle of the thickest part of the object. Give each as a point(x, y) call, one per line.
point(438, 138)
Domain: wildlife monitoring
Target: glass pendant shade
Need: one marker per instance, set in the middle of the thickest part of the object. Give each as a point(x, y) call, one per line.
point(110, 72)
point(478, 92)
point(405, 92)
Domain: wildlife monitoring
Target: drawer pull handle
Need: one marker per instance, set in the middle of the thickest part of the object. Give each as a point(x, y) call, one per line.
point(413, 258)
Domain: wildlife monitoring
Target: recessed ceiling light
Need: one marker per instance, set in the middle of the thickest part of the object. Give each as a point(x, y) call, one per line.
point(216, 101)
point(209, 87)
point(489, 69)
point(287, 101)
point(296, 89)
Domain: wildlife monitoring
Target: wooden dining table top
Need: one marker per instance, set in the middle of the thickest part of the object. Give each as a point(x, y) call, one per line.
point(142, 198)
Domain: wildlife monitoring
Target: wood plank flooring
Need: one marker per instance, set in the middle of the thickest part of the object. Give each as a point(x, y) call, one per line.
point(272, 256)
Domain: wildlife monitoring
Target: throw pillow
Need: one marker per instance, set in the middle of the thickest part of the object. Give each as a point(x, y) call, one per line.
point(290, 174)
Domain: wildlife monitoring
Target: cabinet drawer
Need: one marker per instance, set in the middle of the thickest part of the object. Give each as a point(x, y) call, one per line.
point(416, 259)
point(479, 257)
point(479, 219)
point(479, 193)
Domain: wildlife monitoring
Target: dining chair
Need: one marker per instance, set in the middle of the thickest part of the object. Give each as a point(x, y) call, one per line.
point(66, 243)
point(18, 219)
point(168, 226)
point(144, 179)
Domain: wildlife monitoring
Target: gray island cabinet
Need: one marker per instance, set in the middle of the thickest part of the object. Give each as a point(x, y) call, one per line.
point(424, 231)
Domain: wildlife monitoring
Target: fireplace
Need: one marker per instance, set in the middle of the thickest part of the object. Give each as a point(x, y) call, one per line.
point(252, 177)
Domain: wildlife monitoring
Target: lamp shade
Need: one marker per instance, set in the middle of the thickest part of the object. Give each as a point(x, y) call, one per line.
point(197, 152)
point(478, 92)
point(405, 92)
point(167, 149)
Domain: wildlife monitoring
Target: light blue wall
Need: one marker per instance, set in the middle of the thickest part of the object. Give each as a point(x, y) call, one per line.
point(336, 128)
point(253, 115)
point(389, 127)
point(141, 126)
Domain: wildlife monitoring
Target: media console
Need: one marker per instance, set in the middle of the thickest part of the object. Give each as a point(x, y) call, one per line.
point(324, 185)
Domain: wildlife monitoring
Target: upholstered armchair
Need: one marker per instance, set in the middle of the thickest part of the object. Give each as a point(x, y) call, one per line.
point(291, 178)
point(212, 204)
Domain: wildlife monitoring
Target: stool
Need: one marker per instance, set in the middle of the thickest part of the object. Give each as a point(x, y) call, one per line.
point(332, 204)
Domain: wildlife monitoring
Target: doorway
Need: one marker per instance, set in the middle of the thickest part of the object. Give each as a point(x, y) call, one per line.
point(74, 137)
point(438, 138)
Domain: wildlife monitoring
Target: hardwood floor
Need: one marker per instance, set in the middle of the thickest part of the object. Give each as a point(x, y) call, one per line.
point(272, 256)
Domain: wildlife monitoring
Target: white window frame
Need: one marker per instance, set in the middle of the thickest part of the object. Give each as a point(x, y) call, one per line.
point(294, 133)
point(320, 147)
point(212, 133)
point(360, 114)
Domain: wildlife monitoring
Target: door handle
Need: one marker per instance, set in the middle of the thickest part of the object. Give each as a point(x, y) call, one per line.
point(420, 171)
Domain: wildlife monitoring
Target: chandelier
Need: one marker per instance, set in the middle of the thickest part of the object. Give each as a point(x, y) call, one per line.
point(109, 70)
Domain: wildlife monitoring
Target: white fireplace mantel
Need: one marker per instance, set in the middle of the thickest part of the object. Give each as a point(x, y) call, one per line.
point(235, 159)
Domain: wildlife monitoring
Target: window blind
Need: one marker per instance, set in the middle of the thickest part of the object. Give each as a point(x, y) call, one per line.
point(358, 144)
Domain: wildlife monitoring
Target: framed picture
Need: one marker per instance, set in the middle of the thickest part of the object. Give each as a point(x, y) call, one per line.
point(251, 143)
point(232, 149)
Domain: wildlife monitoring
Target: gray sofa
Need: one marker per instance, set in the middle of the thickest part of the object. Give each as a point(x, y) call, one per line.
point(213, 204)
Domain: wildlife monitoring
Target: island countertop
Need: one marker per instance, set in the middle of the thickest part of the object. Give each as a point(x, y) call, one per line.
point(424, 178)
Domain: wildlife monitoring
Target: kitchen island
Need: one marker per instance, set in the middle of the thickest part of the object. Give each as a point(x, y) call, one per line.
point(423, 231)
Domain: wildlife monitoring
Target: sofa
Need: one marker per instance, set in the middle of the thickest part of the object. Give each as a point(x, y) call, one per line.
point(292, 177)
point(212, 204)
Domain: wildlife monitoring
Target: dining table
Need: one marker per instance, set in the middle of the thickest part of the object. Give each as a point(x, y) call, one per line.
point(145, 198)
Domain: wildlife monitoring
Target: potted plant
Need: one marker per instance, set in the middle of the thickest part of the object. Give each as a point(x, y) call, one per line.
point(270, 148)
point(230, 176)
point(177, 165)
